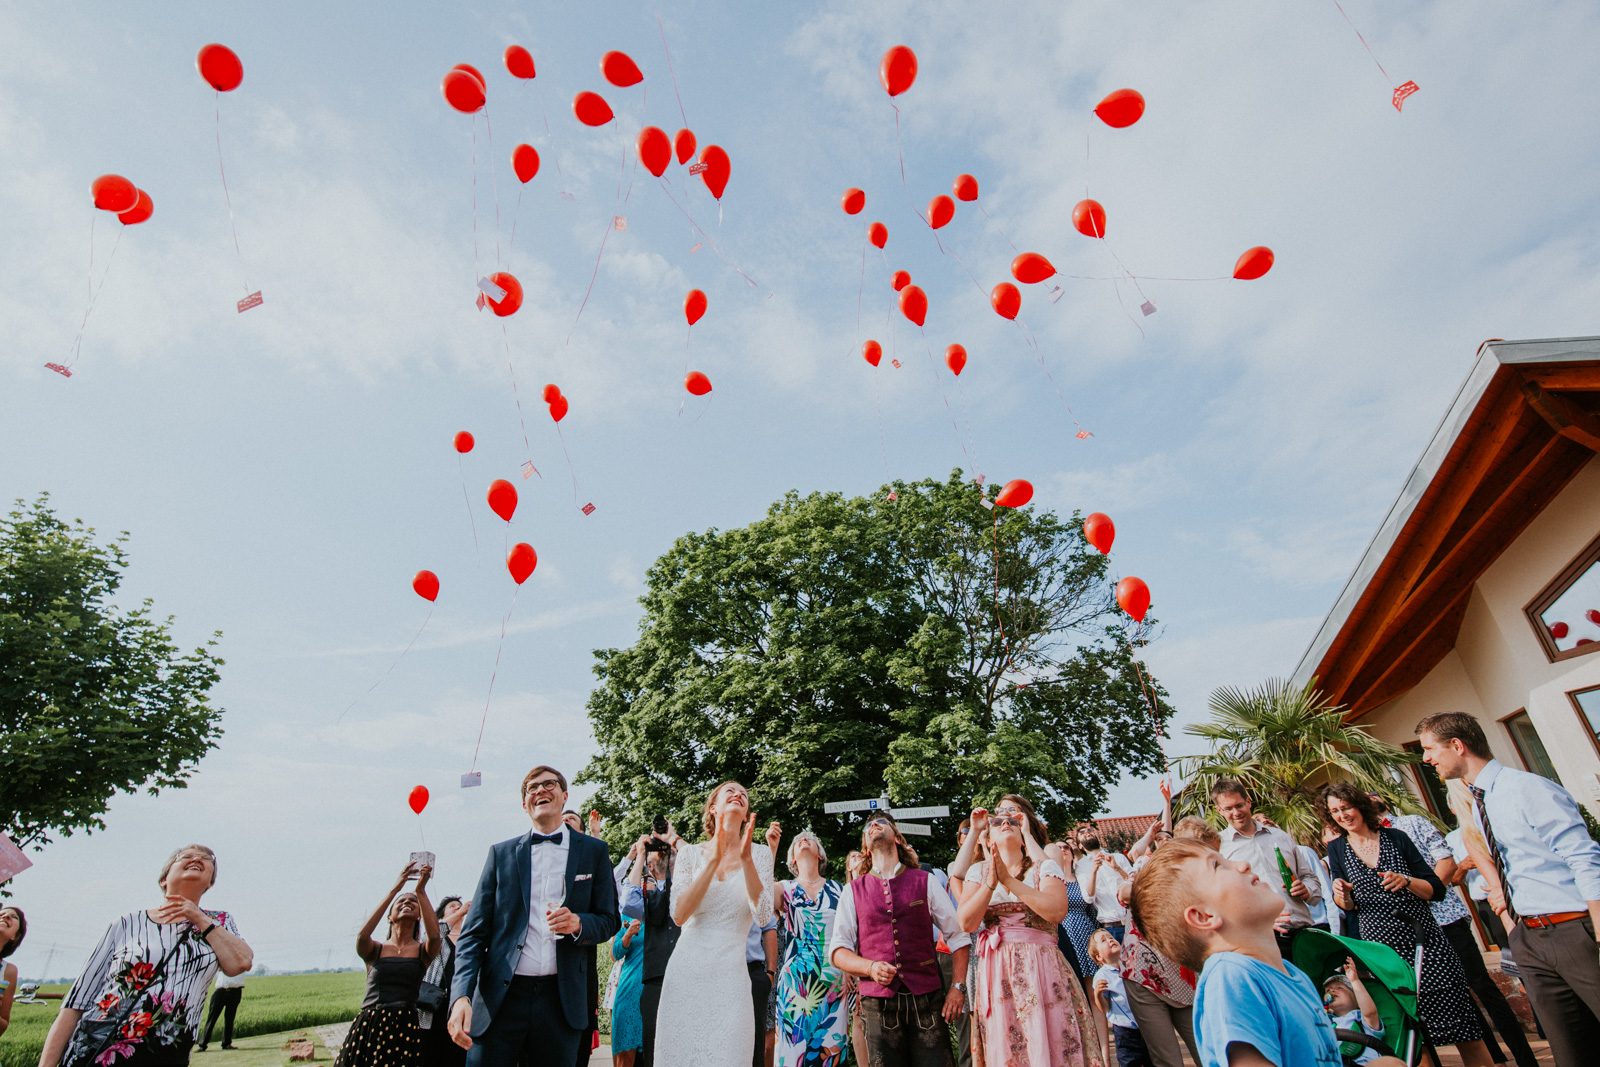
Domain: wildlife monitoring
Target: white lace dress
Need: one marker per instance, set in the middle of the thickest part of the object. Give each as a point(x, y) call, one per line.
point(705, 1018)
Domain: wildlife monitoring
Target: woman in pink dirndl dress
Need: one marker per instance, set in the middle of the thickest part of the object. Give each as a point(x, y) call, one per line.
point(1028, 1007)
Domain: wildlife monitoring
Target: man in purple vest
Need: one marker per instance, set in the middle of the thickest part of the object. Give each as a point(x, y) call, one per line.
point(883, 933)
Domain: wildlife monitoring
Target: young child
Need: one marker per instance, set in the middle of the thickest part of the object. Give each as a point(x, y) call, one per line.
point(1214, 916)
point(1110, 998)
point(1352, 1008)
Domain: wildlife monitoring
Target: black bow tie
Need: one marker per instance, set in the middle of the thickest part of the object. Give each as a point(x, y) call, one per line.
point(554, 839)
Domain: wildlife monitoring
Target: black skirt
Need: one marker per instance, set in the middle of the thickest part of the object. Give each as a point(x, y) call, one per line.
point(383, 1036)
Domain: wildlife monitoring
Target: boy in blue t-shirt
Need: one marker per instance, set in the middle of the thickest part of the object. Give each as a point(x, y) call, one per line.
point(1110, 998)
point(1214, 916)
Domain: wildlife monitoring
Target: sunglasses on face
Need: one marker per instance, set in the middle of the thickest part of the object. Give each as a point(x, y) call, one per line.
point(1006, 820)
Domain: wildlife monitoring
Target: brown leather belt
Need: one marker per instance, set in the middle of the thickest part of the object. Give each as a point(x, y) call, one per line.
point(1539, 922)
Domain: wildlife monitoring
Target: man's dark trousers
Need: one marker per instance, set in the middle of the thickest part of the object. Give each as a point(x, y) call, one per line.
point(649, 1005)
point(224, 1002)
point(530, 1029)
point(1561, 971)
point(962, 1027)
point(760, 990)
point(906, 1030)
point(1489, 995)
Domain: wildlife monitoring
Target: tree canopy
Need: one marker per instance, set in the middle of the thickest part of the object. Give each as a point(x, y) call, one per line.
point(93, 701)
point(838, 645)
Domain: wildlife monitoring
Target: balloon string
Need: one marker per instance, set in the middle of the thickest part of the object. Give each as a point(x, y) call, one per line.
point(996, 225)
point(517, 397)
point(1155, 716)
point(228, 198)
point(603, 239)
point(1365, 45)
point(494, 185)
point(420, 833)
point(555, 156)
point(696, 227)
point(570, 469)
point(476, 273)
point(1116, 287)
point(644, 109)
point(94, 290)
point(877, 401)
point(897, 147)
point(934, 366)
point(674, 77)
point(1143, 277)
point(961, 395)
point(516, 212)
point(998, 620)
point(390, 671)
point(1027, 336)
point(460, 466)
point(493, 675)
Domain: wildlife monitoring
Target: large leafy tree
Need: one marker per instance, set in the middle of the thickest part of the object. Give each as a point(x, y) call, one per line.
point(1284, 744)
point(93, 701)
point(838, 646)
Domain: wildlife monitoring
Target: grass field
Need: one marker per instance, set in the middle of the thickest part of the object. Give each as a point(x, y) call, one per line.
point(270, 1005)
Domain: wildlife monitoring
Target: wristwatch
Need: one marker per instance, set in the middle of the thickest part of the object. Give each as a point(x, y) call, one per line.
point(959, 987)
point(207, 931)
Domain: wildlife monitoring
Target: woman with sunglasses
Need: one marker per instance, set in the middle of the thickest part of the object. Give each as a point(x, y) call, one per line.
point(1026, 996)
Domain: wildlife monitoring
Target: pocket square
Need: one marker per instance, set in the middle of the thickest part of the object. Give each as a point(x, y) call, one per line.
point(581, 877)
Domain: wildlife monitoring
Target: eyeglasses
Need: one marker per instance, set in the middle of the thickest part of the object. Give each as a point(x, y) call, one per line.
point(548, 785)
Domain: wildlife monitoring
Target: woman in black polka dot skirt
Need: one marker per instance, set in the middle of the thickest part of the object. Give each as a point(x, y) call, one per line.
point(385, 1033)
point(1379, 874)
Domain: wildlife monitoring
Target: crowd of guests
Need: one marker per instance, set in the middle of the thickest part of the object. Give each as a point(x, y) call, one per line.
point(1025, 950)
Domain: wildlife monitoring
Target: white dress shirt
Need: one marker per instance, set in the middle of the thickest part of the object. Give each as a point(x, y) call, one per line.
point(1552, 863)
point(940, 906)
point(1107, 908)
point(1473, 883)
point(547, 862)
point(1260, 850)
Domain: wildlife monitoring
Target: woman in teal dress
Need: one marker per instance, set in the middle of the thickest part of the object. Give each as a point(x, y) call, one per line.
point(627, 1025)
point(812, 1021)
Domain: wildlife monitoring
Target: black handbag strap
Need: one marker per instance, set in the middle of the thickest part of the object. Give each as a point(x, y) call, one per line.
point(135, 1001)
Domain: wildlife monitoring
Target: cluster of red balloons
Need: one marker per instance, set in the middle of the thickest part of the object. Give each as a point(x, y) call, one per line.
point(557, 403)
point(464, 88)
point(116, 194)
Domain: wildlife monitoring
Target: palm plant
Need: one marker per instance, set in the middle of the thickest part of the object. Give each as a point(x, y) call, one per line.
point(1284, 744)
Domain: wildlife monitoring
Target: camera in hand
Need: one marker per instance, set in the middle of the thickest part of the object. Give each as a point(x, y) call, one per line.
point(660, 825)
point(659, 829)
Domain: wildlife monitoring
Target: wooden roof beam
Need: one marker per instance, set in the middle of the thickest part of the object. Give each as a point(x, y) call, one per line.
point(1564, 417)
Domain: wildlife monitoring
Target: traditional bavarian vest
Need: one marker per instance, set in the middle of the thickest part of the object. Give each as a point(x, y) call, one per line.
point(894, 924)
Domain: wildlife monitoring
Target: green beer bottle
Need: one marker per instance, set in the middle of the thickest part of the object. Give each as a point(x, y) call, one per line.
point(1284, 872)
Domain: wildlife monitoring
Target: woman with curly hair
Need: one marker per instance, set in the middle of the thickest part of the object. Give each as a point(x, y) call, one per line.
point(385, 1032)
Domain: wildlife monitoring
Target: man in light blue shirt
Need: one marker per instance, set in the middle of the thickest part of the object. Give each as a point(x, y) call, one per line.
point(1549, 870)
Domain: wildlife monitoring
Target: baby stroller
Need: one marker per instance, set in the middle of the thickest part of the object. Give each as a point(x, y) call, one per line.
point(1390, 979)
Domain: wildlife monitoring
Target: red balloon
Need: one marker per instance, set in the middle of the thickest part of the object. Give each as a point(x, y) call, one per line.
point(1121, 108)
point(520, 561)
point(1593, 616)
point(853, 201)
point(426, 584)
point(718, 169)
point(519, 62)
point(1559, 630)
point(591, 109)
point(1005, 300)
point(139, 212)
point(694, 306)
point(1089, 218)
point(965, 187)
point(508, 304)
point(872, 351)
point(955, 357)
point(475, 72)
point(697, 383)
point(462, 91)
point(220, 67)
point(878, 234)
point(914, 304)
point(1134, 597)
point(114, 193)
point(655, 150)
point(1031, 267)
point(683, 144)
point(503, 498)
point(941, 209)
point(1583, 641)
point(1100, 531)
point(418, 798)
point(897, 70)
point(620, 69)
point(525, 161)
point(558, 408)
point(1014, 494)
point(551, 391)
point(1254, 263)
point(463, 442)
point(901, 279)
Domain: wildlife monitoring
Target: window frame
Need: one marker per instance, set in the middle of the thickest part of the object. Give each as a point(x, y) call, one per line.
point(1516, 745)
point(1583, 719)
point(1551, 592)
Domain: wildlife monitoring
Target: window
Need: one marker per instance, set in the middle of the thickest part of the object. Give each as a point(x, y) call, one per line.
point(1565, 616)
point(1434, 793)
point(1587, 701)
point(1529, 747)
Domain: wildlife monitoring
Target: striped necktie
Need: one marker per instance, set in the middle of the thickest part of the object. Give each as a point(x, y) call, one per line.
point(1494, 851)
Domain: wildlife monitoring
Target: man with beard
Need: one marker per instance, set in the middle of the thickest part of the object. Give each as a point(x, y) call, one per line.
point(1099, 874)
point(883, 933)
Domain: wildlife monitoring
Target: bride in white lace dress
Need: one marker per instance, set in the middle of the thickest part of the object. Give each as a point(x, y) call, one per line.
point(718, 887)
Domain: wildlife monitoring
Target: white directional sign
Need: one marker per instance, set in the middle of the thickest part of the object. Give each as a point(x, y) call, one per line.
point(935, 811)
point(915, 828)
point(837, 806)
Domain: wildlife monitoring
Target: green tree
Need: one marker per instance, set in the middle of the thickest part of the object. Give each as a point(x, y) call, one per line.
point(93, 702)
point(837, 645)
point(1285, 744)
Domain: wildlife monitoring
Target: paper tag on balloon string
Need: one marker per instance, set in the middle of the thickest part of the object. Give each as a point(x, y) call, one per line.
point(697, 168)
point(619, 224)
point(528, 469)
point(1055, 294)
point(491, 290)
point(1083, 435)
point(896, 363)
point(587, 509)
point(567, 196)
point(979, 479)
point(1403, 91)
point(1148, 308)
point(59, 369)
point(697, 248)
point(482, 302)
point(471, 779)
point(893, 495)
point(987, 503)
point(251, 301)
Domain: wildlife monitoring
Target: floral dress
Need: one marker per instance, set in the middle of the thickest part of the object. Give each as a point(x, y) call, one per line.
point(813, 1023)
point(164, 1015)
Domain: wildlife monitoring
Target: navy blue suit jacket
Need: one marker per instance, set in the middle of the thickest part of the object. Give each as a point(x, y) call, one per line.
point(491, 941)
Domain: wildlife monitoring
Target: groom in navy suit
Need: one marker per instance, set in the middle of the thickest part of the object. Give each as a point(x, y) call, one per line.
point(520, 995)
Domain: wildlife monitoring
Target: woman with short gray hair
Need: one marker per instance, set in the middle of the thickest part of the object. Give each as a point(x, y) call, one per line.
point(812, 1020)
point(140, 996)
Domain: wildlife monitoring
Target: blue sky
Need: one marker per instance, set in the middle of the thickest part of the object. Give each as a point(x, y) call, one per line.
point(285, 471)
